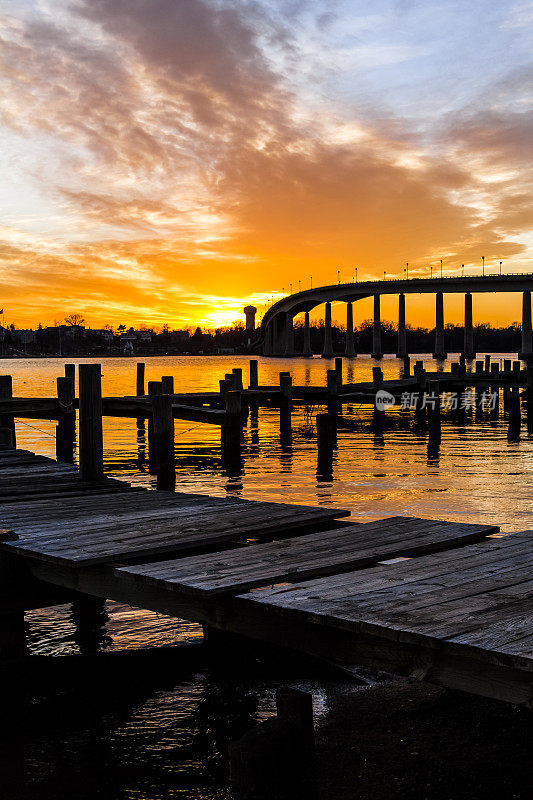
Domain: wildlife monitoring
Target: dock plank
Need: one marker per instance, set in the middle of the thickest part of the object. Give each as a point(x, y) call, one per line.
point(324, 553)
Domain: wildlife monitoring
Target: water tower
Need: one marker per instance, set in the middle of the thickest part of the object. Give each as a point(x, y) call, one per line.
point(250, 312)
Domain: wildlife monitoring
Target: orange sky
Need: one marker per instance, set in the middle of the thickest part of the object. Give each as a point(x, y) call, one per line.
point(172, 162)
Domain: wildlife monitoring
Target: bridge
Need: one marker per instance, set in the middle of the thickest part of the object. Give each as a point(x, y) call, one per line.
point(277, 331)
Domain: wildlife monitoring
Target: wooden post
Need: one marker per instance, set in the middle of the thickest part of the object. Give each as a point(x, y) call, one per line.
point(237, 373)
point(433, 412)
point(167, 384)
point(479, 366)
point(377, 377)
point(70, 372)
point(285, 385)
point(6, 393)
point(154, 389)
point(6, 439)
point(338, 369)
point(326, 430)
point(333, 403)
point(254, 373)
point(513, 410)
point(487, 363)
point(406, 366)
point(91, 452)
point(66, 424)
point(232, 431)
point(140, 379)
point(517, 366)
point(163, 439)
point(276, 759)
point(507, 364)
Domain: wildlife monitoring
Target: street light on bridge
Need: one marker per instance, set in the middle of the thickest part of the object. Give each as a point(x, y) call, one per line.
point(311, 279)
point(356, 274)
point(501, 262)
point(441, 267)
point(462, 270)
point(406, 270)
point(483, 262)
point(338, 276)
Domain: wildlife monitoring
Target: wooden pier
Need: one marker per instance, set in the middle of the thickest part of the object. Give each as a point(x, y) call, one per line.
point(444, 602)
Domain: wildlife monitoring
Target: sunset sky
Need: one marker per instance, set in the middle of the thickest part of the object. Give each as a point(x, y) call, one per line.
point(174, 160)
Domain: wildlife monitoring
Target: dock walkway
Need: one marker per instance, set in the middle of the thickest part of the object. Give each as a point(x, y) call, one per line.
point(445, 602)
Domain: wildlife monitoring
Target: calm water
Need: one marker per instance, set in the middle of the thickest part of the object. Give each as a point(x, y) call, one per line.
point(156, 739)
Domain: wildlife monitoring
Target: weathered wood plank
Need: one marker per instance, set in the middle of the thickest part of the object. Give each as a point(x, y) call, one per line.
point(327, 552)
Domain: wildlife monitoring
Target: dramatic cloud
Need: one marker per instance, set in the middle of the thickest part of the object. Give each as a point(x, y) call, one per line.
point(180, 151)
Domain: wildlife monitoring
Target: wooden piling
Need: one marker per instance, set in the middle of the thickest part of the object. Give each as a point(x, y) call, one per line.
point(70, 372)
point(237, 372)
point(479, 366)
point(6, 393)
point(254, 373)
point(91, 450)
point(163, 441)
point(154, 389)
point(66, 424)
point(326, 431)
point(433, 412)
point(514, 414)
point(406, 366)
point(276, 759)
point(140, 379)
point(377, 377)
point(167, 384)
point(487, 363)
point(507, 364)
point(285, 385)
point(338, 369)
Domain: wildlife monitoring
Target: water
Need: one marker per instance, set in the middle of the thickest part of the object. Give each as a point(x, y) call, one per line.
point(478, 476)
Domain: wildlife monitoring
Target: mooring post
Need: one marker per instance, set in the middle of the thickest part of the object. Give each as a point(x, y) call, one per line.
point(70, 372)
point(276, 759)
point(163, 439)
point(66, 423)
point(6, 393)
point(6, 439)
point(514, 415)
point(479, 366)
point(338, 369)
point(406, 366)
point(91, 450)
point(237, 372)
point(167, 384)
point(507, 364)
point(232, 428)
point(487, 363)
point(154, 389)
point(254, 374)
point(326, 431)
point(285, 386)
point(420, 406)
point(140, 379)
point(433, 412)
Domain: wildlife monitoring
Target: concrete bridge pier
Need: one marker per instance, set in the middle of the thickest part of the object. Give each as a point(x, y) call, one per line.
point(527, 344)
point(328, 340)
point(267, 347)
point(402, 340)
point(289, 336)
point(350, 343)
point(376, 333)
point(468, 349)
point(280, 334)
point(307, 352)
point(440, 353)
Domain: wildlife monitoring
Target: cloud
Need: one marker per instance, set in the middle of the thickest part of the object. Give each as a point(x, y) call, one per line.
point(186, 145)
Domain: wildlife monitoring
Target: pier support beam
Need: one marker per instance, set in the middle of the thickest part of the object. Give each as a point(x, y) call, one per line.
point(527, 344)
point(440, 353)
point(350, 342)
point(280, 334)
point(307, 352)
point(402, 339)
point(289, 336)
point(468, 349)
point(91, 454)
point(328, 341)
point(376, 335)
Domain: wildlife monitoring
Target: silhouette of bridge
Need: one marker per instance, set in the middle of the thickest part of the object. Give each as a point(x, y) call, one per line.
point(276, 337)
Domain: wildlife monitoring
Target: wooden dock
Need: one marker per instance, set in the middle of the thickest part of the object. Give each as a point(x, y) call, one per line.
point(441, 601)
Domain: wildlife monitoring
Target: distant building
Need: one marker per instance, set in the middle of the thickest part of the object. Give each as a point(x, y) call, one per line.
point(23, 336)
point(104, 333)
point(250, 312)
